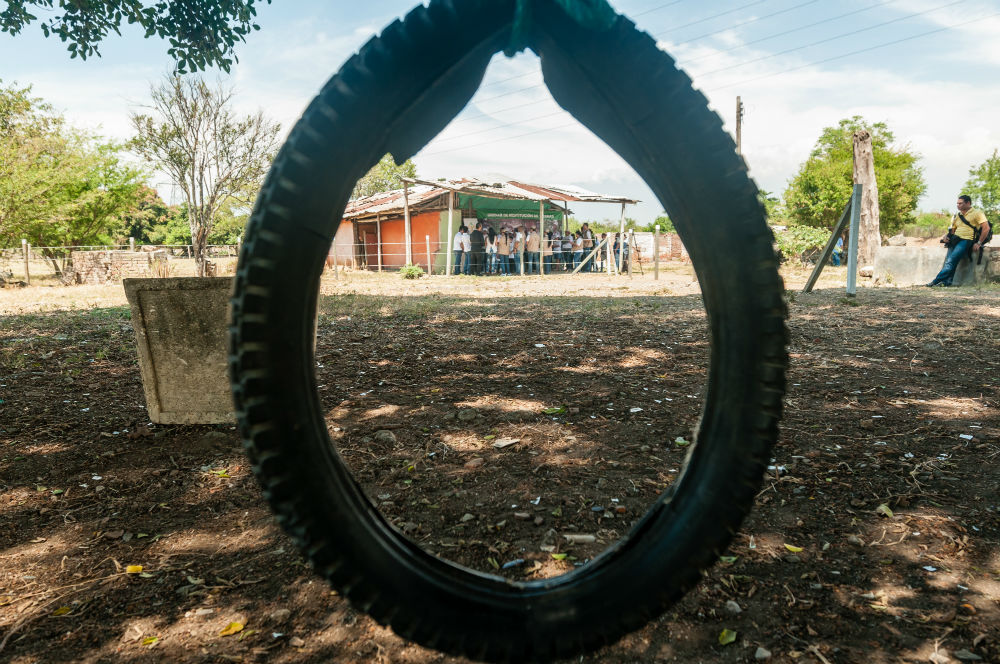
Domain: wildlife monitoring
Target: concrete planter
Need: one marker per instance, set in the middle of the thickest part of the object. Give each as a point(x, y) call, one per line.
point(180, 328)
point(913, 266)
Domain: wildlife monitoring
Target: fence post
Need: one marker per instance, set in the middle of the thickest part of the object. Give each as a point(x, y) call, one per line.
point(26, 250)
point(131, 244)
point(656, 253)
point(336, 266)
point(430, 268)
point(852, 249)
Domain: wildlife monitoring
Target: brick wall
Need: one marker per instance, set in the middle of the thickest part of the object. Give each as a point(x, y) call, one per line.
point(98, 267)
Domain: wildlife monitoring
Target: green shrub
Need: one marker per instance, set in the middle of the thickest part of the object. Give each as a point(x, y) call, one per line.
point(928, 225)
point(801, 242)
point(411, 271)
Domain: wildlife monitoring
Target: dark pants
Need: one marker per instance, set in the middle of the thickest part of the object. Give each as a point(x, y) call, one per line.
point(476, 265)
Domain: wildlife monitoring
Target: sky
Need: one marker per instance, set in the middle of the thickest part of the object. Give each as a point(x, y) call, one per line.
point(930, 69)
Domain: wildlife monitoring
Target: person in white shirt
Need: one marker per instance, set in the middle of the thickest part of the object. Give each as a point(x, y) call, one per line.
point(458, 247)
point(466, 250)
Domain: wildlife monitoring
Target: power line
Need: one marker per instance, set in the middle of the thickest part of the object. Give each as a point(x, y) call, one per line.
point(686, 62)
point(747, 22)
point(860, 50)
point(788, 32)
point(724, 69)
point(509, 124)
point(742, 82)
point(709, 18)
point(656, 9)
point(829, 39)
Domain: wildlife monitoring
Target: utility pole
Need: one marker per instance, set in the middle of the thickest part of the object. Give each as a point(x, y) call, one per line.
point(739, 125)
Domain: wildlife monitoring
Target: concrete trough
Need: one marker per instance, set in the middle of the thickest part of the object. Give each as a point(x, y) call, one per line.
point(914, 266)
point(180, 328)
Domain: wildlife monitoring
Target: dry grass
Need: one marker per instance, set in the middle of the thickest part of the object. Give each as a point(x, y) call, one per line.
point(47, 294)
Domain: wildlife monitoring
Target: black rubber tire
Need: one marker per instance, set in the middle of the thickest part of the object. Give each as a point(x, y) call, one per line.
point(396, 94)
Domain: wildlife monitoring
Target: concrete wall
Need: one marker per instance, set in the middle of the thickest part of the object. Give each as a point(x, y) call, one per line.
point(98, 267)
point(909, 266)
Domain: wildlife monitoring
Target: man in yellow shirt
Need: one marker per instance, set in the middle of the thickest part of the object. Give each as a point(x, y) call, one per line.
point(970, 228)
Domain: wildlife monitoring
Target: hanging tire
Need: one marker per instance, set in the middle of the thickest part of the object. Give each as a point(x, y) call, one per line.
point(397, 93)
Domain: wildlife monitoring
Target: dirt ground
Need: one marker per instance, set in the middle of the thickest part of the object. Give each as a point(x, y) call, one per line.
point(874, 538)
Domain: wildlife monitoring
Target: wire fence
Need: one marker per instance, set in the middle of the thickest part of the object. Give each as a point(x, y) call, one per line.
point(103, 263)
point(434, 257)
point(30, 265)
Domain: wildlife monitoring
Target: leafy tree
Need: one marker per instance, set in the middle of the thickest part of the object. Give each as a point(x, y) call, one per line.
point(151, 221)
point(201, 34)
point(772, 207)
point(983, 185)
point(58, 186)
point(816, 196)
point(210, 153)
point(802, 242)
point(231, 222)
point(663, 221)
point(384, 176)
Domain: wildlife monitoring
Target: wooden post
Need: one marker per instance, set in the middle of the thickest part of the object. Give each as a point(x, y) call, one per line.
point(869, 237)
point(739, 126)
point(406, 222)
point(631, 252)
point(852, 248)
point(656, 253)
point(621, 240)
point(430, 267)
point(131, 244)
point(378, 239)
point(541, 237)
point(450, 243)
point(608, 256)
point(26, 250)
point(336, 266)
point(239, 244)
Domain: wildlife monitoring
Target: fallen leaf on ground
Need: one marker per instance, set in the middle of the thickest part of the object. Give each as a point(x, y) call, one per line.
point(231, 628)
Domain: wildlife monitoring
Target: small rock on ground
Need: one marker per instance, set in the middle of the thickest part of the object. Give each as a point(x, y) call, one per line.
point(385, 436)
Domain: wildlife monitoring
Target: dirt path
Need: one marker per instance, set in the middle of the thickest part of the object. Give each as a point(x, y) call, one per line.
point(885, 474)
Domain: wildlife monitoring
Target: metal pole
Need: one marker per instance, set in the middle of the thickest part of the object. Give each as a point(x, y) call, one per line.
point(26, 250)
point(621, 240)
point(656, 253)
point(541, 237)
point(852, 250)
point(427, 241)
point(831, 243)
point(449, 253)
point(378, 233)
point(406, 225)
point(608, 256)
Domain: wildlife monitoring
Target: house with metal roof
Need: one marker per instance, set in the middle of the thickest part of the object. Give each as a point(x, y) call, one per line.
point(415, 224)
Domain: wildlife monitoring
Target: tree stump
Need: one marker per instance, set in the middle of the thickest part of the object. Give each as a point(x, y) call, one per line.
point(869, 237)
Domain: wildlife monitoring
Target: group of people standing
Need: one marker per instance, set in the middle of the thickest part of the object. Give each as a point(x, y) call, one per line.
point(485, 251)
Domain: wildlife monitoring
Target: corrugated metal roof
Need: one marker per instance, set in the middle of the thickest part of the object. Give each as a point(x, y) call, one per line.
point(392, 201)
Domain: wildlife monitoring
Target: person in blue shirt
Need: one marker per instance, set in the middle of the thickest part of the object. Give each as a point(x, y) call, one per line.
point(838, 251)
